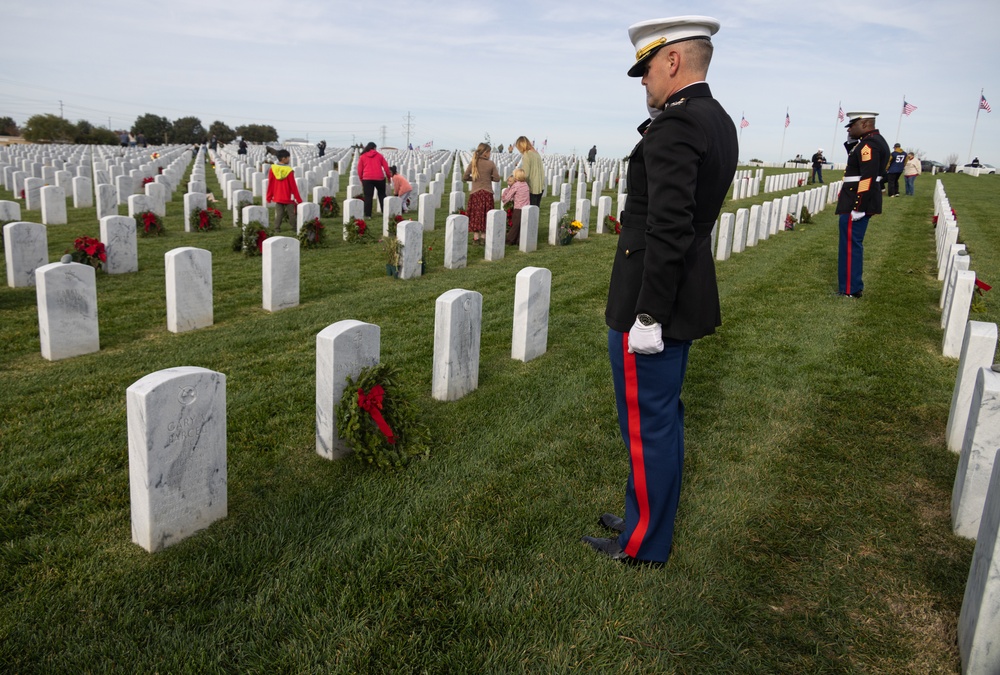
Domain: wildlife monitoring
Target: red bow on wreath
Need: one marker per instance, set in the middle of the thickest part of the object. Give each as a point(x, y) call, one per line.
point(372, 404)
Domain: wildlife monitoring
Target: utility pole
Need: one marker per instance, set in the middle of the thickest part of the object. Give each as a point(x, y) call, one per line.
point(408, 127)
point(60, 108)
point(382, 139)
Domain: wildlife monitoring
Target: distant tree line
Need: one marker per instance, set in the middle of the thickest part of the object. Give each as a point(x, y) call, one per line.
point(158, 130)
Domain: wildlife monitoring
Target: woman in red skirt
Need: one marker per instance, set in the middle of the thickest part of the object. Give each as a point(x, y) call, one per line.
point(482, 172)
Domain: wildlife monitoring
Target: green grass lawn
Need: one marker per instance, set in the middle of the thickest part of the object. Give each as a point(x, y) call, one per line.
point(813, 532)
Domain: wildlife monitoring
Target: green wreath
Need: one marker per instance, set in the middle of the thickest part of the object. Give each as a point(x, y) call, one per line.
point(360, 428)
point(249, 239)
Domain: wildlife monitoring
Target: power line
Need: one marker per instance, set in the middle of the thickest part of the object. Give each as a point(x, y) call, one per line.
point(408, 127)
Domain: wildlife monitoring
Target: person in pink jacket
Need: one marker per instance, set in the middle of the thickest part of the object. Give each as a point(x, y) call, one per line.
point(517, 192)
point(372, 170)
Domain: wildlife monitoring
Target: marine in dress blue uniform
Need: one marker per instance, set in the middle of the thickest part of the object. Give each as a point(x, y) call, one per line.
point(860, 197)
point(663, 292)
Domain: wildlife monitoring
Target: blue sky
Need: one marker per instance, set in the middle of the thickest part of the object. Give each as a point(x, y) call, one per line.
point(552, 71)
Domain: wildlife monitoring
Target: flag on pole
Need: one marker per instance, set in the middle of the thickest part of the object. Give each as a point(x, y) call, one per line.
point(984, 104)
point(743, 123)
point(788, 120)
point(429, 145)
point(908, 108)
point(840, 113)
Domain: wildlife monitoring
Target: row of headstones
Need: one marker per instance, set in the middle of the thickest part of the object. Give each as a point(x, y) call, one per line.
point(973, 431)
point(179, 414)
point(51, 199)
point(784, 181)
point(746, 183)
point(734, 233)
point(71, 329)
point(236, 174)
point(959, 282)
point(66, 292)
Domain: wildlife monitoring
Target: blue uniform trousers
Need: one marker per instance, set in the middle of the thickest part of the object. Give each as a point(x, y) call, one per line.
point(651, 417)
point(850, 262)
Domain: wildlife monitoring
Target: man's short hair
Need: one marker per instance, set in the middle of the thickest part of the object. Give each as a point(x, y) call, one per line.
point(281, 154)
point(700, 54)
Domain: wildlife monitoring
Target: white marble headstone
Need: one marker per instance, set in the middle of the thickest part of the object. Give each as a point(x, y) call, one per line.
point(603, 211)
point(753, 231)
point(342, 350)
point(67, 310)
point(53, 200)
point(978, 350)
point(724, 244)
point(979, 447)
point(26, 248)
point(456, 242)
point(425, 211)
point(528, 241)
point(33, 193)
point(583, 216)
point(280, 270)
point(189, 289)
point(305, 212)
point(411, 235)
point(978, 637)
point(740, 230)
point(124, 188)
point(458, 317)
point(392, 207)
point(241, 199)
point(83, 192)
point(107, 201)
point(532, 290)
point(9, 212)
point(496, 234)
point(119, 236)
point(193, 202)
point(958, 313)
point(177, 454)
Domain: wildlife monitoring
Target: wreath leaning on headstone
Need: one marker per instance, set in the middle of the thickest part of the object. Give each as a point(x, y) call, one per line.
point(328, 207)
point(358, 232)
point(249, 240)
point(205, 219)
point(379, 421)
point(149, 224)
point(311, 234)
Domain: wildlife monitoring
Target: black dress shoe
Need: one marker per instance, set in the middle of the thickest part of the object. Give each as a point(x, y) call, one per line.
point(609, 547)
point(612, 549)
point(612, 522)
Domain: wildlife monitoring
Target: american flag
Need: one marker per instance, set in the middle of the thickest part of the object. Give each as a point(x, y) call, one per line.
point(840, 113)
point(908, 108)
point(743, 123)
point(429, 144)
point(788, 120)
point(984, 104)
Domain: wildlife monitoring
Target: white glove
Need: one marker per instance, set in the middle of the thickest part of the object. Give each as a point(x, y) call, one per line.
point(645, 339)
point(857, 215)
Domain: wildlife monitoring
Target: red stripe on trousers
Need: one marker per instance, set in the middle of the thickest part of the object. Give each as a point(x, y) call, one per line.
point(635, 450)
point(850, 227)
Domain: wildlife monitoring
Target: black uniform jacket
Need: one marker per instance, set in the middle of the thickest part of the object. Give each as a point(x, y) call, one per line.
point(866, 165)
point(678, 178)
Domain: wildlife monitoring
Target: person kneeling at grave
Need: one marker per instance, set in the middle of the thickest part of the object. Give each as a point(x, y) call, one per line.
point(517, 192)
point(282, 190)
point(401, 188)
